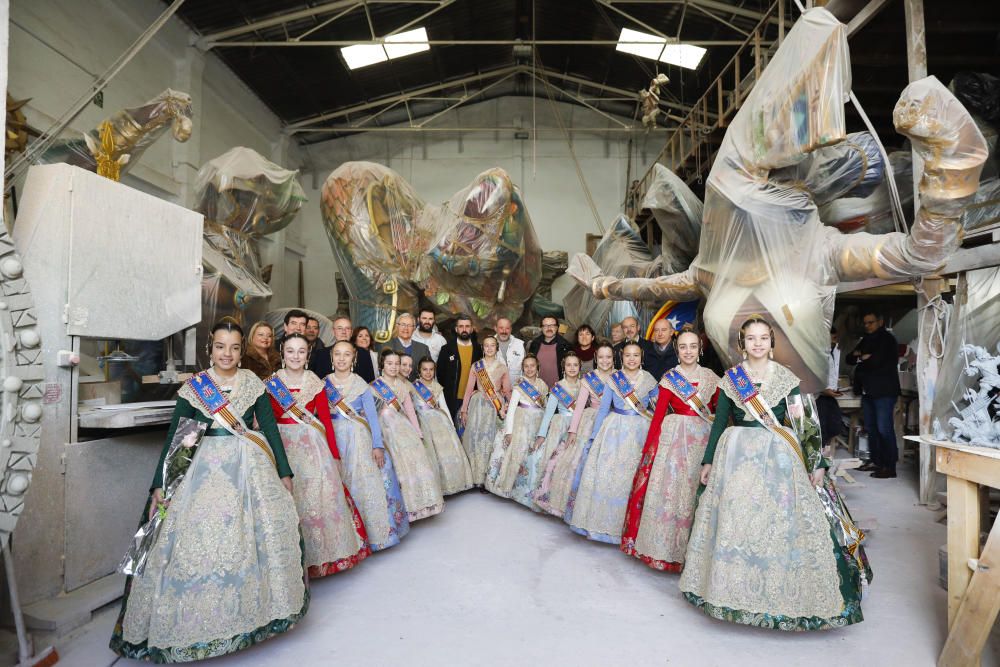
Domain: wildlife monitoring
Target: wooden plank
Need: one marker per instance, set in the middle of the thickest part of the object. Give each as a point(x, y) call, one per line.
point(963, 540)
point(927, 373)
point(969, 466)
point(979, 606)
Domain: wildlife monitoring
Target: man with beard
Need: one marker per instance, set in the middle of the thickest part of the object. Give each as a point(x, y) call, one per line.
point(630, 328)
point(427, 334)
point(511, 349)
point(455, 363)
point(550, 348)
point(319, 354)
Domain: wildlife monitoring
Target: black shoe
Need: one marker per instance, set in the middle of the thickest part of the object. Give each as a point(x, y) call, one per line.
point(868, 467)
point(884, 473)
point(482, 489)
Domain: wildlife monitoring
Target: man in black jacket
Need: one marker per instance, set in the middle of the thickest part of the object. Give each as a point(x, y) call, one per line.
point(661, 356)
point(550, 348)
point(876, 379)
point(630, 327)
point(455, 361)
point(319, 354)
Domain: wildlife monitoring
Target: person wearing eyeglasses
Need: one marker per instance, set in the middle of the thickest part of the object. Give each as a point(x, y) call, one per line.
point(876, 380)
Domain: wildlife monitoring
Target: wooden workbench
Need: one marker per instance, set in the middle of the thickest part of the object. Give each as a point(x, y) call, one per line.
point(973, 576)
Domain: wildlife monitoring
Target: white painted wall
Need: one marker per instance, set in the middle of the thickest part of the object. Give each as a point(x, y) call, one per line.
point(440, 164)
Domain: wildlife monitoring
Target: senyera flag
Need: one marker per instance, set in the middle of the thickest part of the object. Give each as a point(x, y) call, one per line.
point(678, 313)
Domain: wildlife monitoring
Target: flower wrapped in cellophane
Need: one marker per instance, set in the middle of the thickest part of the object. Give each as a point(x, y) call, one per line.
point(175, 465)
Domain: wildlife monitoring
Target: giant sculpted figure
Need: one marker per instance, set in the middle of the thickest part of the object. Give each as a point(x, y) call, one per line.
point(763, 247)
point(475, 254)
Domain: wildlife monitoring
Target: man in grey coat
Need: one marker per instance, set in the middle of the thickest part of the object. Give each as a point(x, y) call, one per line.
point(404, 344)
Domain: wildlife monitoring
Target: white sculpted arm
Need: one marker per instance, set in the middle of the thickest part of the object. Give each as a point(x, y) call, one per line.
point(675, 287)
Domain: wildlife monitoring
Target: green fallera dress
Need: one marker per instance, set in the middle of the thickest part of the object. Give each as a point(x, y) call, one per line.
point(226, 570)
point(762, 550)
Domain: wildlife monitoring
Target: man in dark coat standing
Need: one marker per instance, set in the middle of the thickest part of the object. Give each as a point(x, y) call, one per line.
point(455, 362)
point(661, 356)
point(630, 327)
point(876, 379)
point(550, 348)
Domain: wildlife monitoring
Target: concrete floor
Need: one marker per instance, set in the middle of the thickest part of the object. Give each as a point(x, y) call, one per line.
point(489, 583)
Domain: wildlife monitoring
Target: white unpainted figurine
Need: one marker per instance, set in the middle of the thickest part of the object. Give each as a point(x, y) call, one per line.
point(650, 100)
point(974, 424)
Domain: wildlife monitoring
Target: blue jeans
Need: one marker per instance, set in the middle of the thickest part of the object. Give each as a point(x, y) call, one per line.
point(881, 434)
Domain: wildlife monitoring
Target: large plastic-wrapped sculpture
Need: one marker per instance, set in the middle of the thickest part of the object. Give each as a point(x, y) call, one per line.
point(763, 247)
point(123, 137)
point(243, 196)
point(476, 254)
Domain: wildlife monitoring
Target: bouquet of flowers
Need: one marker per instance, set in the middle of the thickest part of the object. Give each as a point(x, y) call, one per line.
point(175, 465)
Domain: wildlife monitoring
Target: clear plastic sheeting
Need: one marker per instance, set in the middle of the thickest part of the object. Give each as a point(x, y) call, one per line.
point(133, 130)
point(873, 212)
point(243, 196)
point(477, 254)
point(763, 247)
point(678, 212)
point(485, 259)
point(851, 168)
point(622, 253)
point(975, 321)
point(243, 191)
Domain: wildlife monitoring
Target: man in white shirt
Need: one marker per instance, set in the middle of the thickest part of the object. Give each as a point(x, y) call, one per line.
point(511, 349)
point(427, 334)
point(831, 422)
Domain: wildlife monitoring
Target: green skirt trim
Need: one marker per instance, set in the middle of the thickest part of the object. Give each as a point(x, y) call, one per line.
point(801, 623)
point(204, 650)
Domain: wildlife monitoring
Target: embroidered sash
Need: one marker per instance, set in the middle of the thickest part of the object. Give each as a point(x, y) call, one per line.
point(687, 393)
point(531, 392)
point(627, 392)
point(759, 410)
point(486, 382)
point(386, 393)
point(338, 403)
point(595, 383)
point(280, 392)
point(424, 392)
point(213, 400)
point(564, 397)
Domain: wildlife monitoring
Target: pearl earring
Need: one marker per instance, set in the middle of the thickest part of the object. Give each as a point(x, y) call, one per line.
point(771, 353)
point(744, 354)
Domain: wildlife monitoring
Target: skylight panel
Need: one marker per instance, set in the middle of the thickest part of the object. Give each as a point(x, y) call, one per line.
point(644, 45)
point(396, 46)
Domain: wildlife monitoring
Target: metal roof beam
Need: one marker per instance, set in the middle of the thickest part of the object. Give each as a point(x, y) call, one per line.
point(461, 42)
point(707, 4)
point(206, 42)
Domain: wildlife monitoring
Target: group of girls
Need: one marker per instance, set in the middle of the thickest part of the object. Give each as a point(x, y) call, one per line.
point(295, 477)
point(654, 466)
point(298, 477)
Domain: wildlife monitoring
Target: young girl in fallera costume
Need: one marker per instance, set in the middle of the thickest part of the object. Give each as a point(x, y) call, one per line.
point(774, 562)
point(483, 407)
point(507, 475)
point(444, 449)
point(332, 529)
point(557, 481)
point(404, 440)
point(661, 507)
point(551, 432)
point(368, 471)
point(226, 570)
point(603, 480)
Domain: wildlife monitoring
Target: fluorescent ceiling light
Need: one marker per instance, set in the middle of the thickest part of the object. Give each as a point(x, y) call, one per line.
point(362, 55)
point(644, 45)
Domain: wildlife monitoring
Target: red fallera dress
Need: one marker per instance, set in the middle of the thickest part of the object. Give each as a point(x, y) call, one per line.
point(664, 491)
point(332, 530)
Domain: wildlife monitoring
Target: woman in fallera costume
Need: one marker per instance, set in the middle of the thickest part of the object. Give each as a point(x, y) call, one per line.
point(332, 529)
point(661, 507)
point(404, 440)
point(603, 480)
point(773, 562)
point(226, 570)
point(367, 470)
point(483, 407)
point(552, 429)
point(444, 449)
point(557, 481)
point(508, 475)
